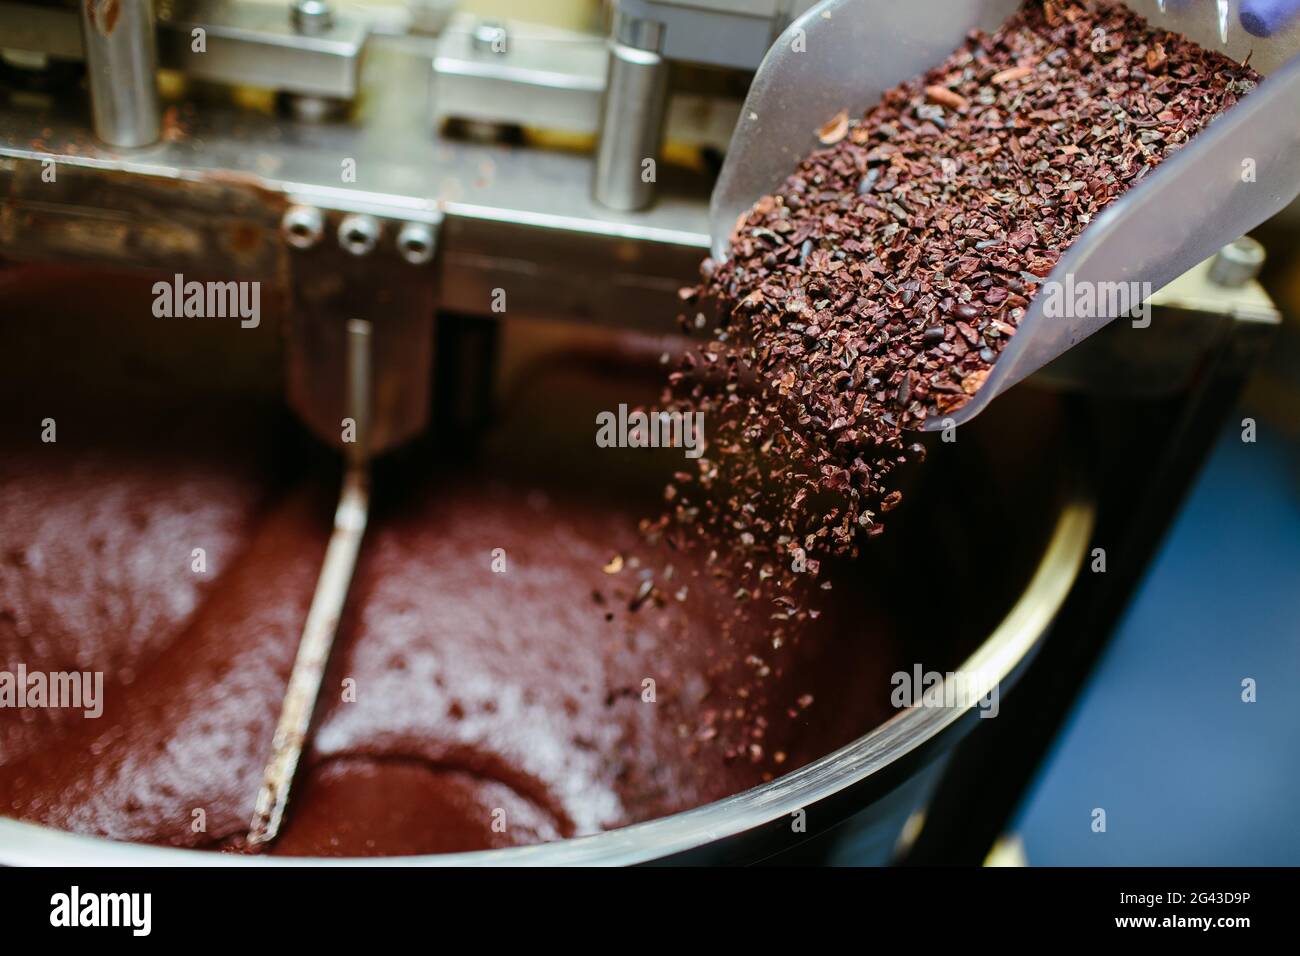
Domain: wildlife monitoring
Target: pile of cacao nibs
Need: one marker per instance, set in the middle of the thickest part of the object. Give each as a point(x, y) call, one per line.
point(876, 287)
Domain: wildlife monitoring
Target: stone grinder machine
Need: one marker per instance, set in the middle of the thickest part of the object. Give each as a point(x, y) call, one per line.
point(408, 176)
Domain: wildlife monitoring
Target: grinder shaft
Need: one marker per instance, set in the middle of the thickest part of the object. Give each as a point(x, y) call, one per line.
point(327, 602)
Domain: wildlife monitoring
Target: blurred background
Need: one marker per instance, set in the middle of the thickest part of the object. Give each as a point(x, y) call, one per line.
point(1187, 773)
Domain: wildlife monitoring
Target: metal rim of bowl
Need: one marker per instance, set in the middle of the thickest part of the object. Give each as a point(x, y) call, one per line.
point(998, 660)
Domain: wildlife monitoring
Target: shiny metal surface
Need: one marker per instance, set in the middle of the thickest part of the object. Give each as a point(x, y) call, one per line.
point(242, 43)
point(312, 17)
point(417, 242)
point(259, 45)
point(726, 33)
point(121, 70)
point(350, 519)
point(490, 36)
point(522, 219)
point(543, 77)
point(554, 80)
point(302, 226)
point(631, 127)
point(360, 271)
point(633, 30)
point(213, 198)
point(887, 771)
point(1237, 263)
point(359, 233)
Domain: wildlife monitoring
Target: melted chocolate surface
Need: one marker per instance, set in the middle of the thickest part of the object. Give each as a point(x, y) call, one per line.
point(465, 707)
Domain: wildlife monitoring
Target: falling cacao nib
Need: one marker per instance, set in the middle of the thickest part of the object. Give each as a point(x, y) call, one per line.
point(876, 287)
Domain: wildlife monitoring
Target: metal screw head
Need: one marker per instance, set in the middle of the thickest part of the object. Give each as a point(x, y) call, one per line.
point(1237, 263)
point(313, 109)
point(302, 226)
point(490, 36)
point(312, 17)
point(359, 234)
point(416, 243)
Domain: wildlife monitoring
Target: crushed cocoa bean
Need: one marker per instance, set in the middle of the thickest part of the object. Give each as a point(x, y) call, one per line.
point(878, 284)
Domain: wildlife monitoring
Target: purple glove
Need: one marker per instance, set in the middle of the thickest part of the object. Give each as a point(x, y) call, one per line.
point(1263, 18)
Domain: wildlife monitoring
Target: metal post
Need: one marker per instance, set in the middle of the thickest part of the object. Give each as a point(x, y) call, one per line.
point(122, 64)
point(632, 116)
point(318, 633)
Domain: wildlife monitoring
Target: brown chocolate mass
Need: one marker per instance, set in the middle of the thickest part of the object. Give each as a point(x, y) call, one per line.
point(586, 683)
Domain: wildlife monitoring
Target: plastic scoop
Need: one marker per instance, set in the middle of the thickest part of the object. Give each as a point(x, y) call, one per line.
point(1243, 168)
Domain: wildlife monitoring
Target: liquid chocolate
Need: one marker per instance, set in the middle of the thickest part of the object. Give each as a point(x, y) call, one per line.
point(584, 681)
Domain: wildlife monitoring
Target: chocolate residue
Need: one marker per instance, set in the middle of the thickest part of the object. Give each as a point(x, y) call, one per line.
point(104, 14)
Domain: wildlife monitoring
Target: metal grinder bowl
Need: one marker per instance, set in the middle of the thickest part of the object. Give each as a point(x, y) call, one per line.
point(878, 781)
point(1033, 525)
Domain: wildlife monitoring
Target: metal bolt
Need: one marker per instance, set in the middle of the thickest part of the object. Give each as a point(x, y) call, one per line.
point(302, 226)
point(416, 243)
point(1237, 263)
point(312, 18)
point(490, 36)
point(313, 109)
point(359, 234)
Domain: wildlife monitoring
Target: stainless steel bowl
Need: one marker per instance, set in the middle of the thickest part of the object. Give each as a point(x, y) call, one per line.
point(874, 784)
point(877, 782)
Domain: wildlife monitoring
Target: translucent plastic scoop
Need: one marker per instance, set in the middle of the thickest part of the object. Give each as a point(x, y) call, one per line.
point(1237, 172)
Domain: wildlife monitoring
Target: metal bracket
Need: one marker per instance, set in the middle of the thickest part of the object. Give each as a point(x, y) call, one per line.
point(243, 44)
